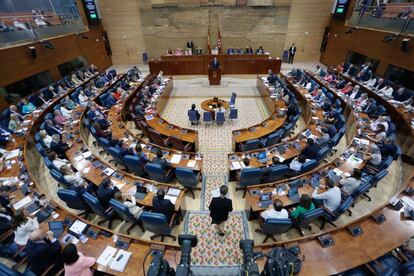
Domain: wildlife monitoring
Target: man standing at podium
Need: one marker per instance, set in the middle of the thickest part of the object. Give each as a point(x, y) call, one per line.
point(214, 63)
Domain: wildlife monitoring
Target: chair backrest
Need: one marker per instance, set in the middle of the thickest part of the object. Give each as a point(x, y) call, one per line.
point(155, 222)
point(251, 145)
point(144, 128)
point(273, 139)
point(386, 162)
point(72, 199)
point(307, 166)
point(220, 117)
point(40, 149)
point(49, 163)
point(308, 217)
point(134, 164)
point(6, 271)
point(380, 175)
point(233, 98)
point(122, 210)
point(192, 115)
point(116, 154)
point(250, 176)
point(186, 177)
point(322, 153)
point(363, 188)
point(345, 205)
point(94, 204)
point(155, 172)
point(276, 226)
point(277, 172)
point(233, 113)
point(207, 116)
point(103, 142)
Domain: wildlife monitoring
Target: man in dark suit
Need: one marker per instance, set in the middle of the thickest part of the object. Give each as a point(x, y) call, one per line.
point(214, 63)
point(161, 205)
point(371, 109)
point(311, 151)
point(401, 95)
point(42, 251)
point(57, 146)
point(190, 45)
point(106, 192)
point(165, 164)
point(249, 50)
point(292, 52)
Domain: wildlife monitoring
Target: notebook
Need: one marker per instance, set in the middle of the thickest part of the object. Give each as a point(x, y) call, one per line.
point(56, 227)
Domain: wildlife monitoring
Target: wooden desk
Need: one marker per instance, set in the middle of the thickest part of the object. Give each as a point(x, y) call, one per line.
point(268, 126)
point(207, 105)
point(230, 64)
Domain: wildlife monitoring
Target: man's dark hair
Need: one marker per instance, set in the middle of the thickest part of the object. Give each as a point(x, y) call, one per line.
point(278, 205)
point(246, 161)
point(160, 193)
point(159, 153)
point(224, 190)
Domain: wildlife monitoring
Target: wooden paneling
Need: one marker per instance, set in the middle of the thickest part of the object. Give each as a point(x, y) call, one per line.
point(17, 64)
point(368, 43)
point(307, 22)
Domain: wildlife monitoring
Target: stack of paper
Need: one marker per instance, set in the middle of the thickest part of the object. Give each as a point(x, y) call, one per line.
point(108, 171)
point(236, 165)
point(106, 256)
point(173, 199)
point(21, 203)
point(173, 192)
point(13, 154)
point(191, 163)
point(120, 261)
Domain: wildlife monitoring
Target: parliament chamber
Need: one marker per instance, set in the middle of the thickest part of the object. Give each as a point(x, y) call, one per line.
point(194, 138)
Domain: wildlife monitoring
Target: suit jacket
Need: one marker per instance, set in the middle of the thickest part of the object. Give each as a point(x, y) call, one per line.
point(401, 98)
point(220, 209)
point(292, 50)
point(371, 110)
point(190, 44)
point(42, 254)
point(215, 65)
point(105, 195)
point(163, 206)
point(311, 151)
point(165, 165)
point(59, 148)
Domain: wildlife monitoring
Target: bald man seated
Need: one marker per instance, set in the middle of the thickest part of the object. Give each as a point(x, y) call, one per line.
point(42, 251)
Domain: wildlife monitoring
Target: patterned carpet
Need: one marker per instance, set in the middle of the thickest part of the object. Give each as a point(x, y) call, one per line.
point(212, 249)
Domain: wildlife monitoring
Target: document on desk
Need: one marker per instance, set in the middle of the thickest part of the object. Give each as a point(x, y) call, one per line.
point(281, 158)
point(236, 165)
point(106, 256)
point(173, 199)
point(78, 157)
point(176, 158)
point(21, 203)
point(86, 154)
point(191, 163)
point(120, 261)
point(78, 227)
point(108, 171)
point(173, 192)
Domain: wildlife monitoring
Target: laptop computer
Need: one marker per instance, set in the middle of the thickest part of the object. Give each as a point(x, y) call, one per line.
point(281, 148)
point(262, 157)
point(265, 200)
point(293, 195)
point(295, 184)
point(56, 227)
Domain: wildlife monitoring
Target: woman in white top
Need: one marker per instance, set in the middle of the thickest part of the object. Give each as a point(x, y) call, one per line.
point(23, 226)
point(83, 99)
point(57, 162)
point(386, 91)
point(47, 139)
point(65, 112)
point(129, 201)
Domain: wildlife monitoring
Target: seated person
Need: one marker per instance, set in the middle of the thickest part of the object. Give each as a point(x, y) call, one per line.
point(341, 83)
point(401, 95)
point(371, 108)
point(107, 134)
point(311, 151)
point(305, 205)
point(296, 164)
point(129, 201)
point(387, 91)
point(23, 226)
point(165, 164)
point(379, 85)
point(106, 192)
point(59, 119)
point(14, 122)
point(194, 110)
point(266, 170)
point(76, 181)
point(331, 198)
point(161, 205)
point(51, 128)
point(46, 138)
point(69, 103)
point(324, 138)
point(15, 110)
point(230, 51)
point(249, 50)
point(355, 93)
point(42, 251)
point(350, 184)
point(379, 136)
point(383, 120)
point(374, 158)
point(57, 146)
point(28, 107)
point(125, 150)
point(371, 81)
point(57, 162)
point(328, 78)
point(347, 89)
point(260, 51)
point(83, 99)
point(388, 148)
point(75, 79)
point(141, 154)
point(64, 110)
point(275, 211)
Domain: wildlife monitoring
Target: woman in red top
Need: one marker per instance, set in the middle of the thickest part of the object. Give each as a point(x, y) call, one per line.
point(348, 88)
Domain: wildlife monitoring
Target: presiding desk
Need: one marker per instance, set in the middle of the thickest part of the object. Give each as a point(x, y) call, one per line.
point(230, 64)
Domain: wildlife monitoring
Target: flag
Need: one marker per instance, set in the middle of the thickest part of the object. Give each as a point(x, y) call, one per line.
point(219, 41)
point(208, 43)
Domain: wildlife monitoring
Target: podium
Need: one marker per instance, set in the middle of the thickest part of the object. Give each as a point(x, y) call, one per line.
point(214, 75)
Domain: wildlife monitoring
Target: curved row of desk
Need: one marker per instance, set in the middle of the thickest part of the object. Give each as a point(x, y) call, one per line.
point(317, 260)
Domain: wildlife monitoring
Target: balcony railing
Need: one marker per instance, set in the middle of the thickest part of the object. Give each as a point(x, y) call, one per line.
point(393, 17)
point(21, 28)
